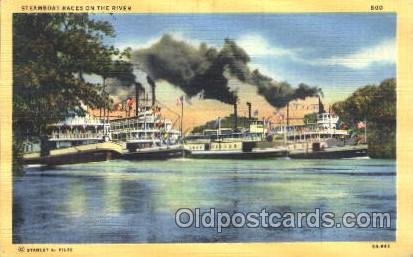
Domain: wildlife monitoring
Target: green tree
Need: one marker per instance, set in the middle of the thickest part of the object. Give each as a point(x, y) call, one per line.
point(310, 118)
point(51, 54)
point(376, 105)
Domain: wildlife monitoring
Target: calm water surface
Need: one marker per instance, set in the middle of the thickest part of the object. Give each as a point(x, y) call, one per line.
point(135, 202)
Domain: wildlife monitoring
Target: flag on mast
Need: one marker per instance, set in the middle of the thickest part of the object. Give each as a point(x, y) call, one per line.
point(180, 100)
point(361, 125)
point(129, 102)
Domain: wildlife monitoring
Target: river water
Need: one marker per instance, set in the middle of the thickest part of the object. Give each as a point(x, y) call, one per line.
point(135, 202)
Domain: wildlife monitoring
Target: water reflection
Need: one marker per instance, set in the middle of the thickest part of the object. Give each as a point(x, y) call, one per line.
point(122, 202)
point(76, 204)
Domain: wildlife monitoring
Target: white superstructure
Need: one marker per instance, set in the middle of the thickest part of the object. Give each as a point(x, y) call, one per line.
point(147, 129)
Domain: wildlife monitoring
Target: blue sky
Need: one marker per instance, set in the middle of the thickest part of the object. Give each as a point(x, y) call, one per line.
point(338, 52)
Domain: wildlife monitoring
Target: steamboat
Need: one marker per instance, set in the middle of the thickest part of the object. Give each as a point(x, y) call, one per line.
point(322, 140)
point(76, 140)
point(233, 144)
point(147, 135)
point(95, 137)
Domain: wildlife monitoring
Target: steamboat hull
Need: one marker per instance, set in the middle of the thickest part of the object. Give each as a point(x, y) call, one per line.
point(332, 153)
point(83, 157)
point(153, 154)
point(77, 154)
point(235, 154)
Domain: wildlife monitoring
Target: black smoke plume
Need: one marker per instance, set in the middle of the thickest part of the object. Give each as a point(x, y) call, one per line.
point(205, 69)
point(195, 70)
point(278, 94)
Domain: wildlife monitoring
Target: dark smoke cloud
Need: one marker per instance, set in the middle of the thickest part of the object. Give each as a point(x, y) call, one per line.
point(121, 81)
point(204, 69)
point(278, 94)
point(195, 70)
point(118, 91)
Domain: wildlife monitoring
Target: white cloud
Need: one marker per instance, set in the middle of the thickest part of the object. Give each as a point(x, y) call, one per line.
point(267, 70)
point(139, 43)
point(136, 43)
point(264, 52)
point(382, 53)
point(257, 46)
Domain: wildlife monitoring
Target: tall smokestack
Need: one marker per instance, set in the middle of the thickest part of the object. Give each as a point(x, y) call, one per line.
point(320, 106)
point(236, 115)
point(152, 84)
point(249, 110)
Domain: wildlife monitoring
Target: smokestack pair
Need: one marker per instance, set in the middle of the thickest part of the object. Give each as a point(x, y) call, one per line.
point(138, 86)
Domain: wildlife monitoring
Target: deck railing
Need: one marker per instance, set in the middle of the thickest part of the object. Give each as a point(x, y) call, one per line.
point(63, 136)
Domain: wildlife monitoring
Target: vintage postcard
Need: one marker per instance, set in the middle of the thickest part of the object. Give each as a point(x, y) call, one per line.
point(225, 128)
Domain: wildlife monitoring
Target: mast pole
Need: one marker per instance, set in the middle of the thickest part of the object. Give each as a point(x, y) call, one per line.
point(182, 114)
point(288, 114)
point(285, 133)
point(219, 125)
point(137, 86)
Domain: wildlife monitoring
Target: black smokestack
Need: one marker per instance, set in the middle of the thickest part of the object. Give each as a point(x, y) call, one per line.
point(321, 109)
point(249, 110)
point(235, 115)
point(153, 87)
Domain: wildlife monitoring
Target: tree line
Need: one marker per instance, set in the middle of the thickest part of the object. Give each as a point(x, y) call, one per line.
point(375, 104)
